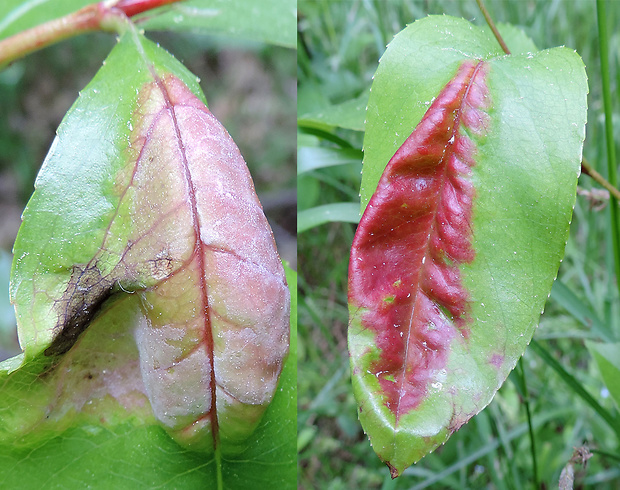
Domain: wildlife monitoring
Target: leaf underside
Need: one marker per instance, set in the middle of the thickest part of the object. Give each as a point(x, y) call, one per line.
point(463, 235)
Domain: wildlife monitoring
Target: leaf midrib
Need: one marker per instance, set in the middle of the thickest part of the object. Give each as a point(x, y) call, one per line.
point(198, 254)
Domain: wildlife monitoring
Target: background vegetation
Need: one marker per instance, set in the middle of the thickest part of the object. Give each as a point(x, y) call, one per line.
point(339, 45)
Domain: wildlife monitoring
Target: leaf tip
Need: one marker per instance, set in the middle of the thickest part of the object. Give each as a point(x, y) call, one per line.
point(393, 471)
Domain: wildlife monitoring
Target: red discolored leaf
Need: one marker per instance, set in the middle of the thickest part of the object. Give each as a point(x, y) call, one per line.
point(182, 228)
point(460, 243)
point(215, 333)
point(404, 276)
point(149, 296)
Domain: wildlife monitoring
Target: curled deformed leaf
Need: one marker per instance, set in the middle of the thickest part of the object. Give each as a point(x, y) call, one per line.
point(215, 330)
point(462, 238)
point(159, 221)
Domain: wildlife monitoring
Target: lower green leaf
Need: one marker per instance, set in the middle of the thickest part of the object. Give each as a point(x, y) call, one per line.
point(608, 362)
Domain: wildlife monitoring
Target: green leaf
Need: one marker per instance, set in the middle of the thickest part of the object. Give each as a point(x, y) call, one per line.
point(144, 456)
point(608, 363)
point(135, 287)
point(19, 15)
point(268, 21)
point(347, 115)
point(139, 452)
point(347, 212)
point(456, 254)
point(311, 158)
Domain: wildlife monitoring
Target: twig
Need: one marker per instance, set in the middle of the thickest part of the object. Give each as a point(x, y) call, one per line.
point(496, 33)
point(103, 16)
point(587, 169)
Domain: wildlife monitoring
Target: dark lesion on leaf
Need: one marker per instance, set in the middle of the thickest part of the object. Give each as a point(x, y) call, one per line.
point(83, 298)
point(87, 291)
point(161, 267)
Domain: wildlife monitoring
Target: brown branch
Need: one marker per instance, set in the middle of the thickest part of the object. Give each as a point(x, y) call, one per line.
point(496, 33)
point(587, 169)
point(102, 16)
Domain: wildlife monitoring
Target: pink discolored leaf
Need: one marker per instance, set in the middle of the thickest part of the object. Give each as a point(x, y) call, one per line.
point(216, 317)
point(155, 236)
point(464, 229)
point(416, 231)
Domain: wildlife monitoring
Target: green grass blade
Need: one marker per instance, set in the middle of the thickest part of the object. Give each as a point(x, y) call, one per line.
point(601, 10)
point(526, 403)
point(347, 212)
point(568, 300)
point(498, 418)
point(575, 385)
point(350, 114)
point(321, 133)
point(310, 158)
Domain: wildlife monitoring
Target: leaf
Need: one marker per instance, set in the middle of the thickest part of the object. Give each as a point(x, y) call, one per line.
point(146, 283)
point(310, 158)
point(268, 21)
point(140, 452)
point(19, 15)
point(327, 213)
point(606, 356)
point(457, 250)
point(347, 115)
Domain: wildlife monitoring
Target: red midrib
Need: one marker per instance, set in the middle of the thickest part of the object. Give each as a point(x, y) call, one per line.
point(199, 254)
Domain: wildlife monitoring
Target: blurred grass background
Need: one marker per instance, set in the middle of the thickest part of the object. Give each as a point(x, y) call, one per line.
point(339, 44)
point(250, 87)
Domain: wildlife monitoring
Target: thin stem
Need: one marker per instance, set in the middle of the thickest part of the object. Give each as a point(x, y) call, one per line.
point(601, 11)
point(526, 402)
point(26, 42)
point(587, 169)
point(103, 16)
point(135, 7)
point(496, 33)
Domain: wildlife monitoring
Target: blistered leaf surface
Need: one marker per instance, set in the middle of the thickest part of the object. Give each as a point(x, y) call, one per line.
point(145, 222)
point(115, 427)
point(460, 242)
point(419, 220)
